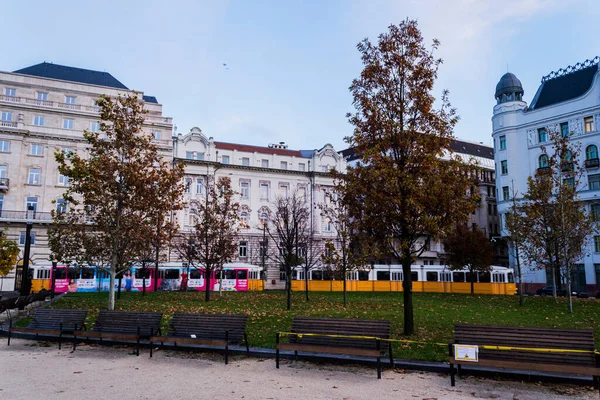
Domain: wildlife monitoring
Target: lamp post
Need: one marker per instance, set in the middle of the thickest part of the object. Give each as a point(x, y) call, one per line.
point(54, 262)
point(25, 281)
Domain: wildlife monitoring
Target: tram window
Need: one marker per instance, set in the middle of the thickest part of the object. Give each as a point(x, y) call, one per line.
point(171, 274)
point(396, 276)
point(383, 275)
point(73, 273)
point(102, 274)
point(471, 276)
point(327, 276)
point(300, 275)
point(446, 277)
point(195, 274)
point(142, 273)
point(253, 274)
point(87, 273)
point(432, 276)
point(242, 274)
point(511, 277)
point(363, 275)
point(484, 277)
point(43, 274)
point(458, 276)
point(60, 273)
point(317, 275)
point(414, 276)
point(498, 278)
point(229, 274)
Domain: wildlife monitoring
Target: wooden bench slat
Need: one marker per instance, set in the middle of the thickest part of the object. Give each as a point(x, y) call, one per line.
point(332, 350)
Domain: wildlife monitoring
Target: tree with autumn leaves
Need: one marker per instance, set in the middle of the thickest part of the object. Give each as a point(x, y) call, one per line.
point(118, 195)
point(406, 184)
point(211, 242)
point(9, 251)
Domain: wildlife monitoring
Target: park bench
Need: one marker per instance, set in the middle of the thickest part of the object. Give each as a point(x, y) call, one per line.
point(338, 336)
point(573, 351)
point(123, 326)
point(51, 321)
point(206, 329)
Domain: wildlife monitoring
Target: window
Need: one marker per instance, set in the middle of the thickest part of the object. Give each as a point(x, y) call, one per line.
point(504, 167)
point(155, 135)
point(10, 92)
point(458, 276)
point(243, 249)
point(95, 127)
point(502, 142)
point(188, 185)
point(245, 161)
point(42, 96)
point(22, 238)
point(383, 275)
point(264, 163)
point(34, 177)
point(505, 193)
point(171, 274)
point(594, 182)
point(264, 191)
point(3, 169)
point(35, 149)
point(189, 155)
point(484, 277)
point(195, 274)
point(325, 168)
point(284, 191)
point(63, 180)
point(4, 146)
point(588, 122)
point(67, 151)
point(61, 206)
point(241, 274)
point(70, 99)
point(327, 225)
point(284, 165)
point(67, 123)
point(301, 167)
point(570, 182)
point(263, 248)
point(263, 219)
point(591, 152)
point(199, 185)
point(543, 161)
point(542, 135)
point(31, 203)
point(225, 160)
point(244, 220)
point(432, 276)
point(6, 116)
point(597, 244)
point(39, 120)
point(245, 190)
point(302, 193)
point(596, 212)
point(564, 129)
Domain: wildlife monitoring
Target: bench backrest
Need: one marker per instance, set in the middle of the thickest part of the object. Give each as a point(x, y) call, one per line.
point(523, 337)
point(341, 326)
point(209, 326)
point(51, 318)
point(127, 322)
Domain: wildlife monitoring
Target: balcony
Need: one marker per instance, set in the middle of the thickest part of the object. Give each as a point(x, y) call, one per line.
point(567, 167)
point(22, 216)
point(592, 163)
point(4, 184)
point(543, 170)
point(8, 124)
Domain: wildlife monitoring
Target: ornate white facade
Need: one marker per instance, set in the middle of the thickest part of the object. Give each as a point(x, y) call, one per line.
point(566, 100)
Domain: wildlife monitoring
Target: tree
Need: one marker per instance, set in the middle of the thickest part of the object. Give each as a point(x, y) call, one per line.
point(551, 222)
point(401, 189)
point(116, 195)
point(9, 251)
point(347, 255)
point(288, 228)
point(515, 240)
point(211, 243)
point(310, 253)
point(470, 248)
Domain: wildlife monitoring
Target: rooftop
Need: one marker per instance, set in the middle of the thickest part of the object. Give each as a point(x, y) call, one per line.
point(257, 149)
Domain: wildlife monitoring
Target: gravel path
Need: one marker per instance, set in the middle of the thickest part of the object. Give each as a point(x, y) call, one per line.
point(32, 370)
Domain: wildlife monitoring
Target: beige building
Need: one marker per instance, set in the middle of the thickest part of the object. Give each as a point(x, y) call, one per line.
point(259, 175)
point(43, 109)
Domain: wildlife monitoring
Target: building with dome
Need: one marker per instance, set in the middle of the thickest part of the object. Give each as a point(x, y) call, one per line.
point(567, 100)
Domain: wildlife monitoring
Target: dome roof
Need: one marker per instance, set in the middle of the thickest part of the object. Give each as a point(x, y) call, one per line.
point(508, 84)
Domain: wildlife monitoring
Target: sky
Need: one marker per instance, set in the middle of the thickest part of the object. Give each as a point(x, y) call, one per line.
point(290, 63)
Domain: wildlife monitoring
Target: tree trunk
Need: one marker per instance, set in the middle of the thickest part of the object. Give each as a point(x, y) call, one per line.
point(119, 287)
point(409, 323)
point(207, 288)
point(345, 296)
point(288, 285)
point(111, 286)
point(568, 273)
point(553, 282)
point(472, 281)
point(306, 283)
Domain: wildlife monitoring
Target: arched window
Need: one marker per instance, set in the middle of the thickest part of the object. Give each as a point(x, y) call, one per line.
point(591, 152)
point(543, 161)
point(568, 156)
point(244, 219)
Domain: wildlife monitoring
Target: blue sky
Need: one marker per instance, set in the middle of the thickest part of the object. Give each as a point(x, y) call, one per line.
point(291, 62)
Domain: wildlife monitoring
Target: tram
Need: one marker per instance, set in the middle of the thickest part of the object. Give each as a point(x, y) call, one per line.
point(171, 276)
point(425, 278)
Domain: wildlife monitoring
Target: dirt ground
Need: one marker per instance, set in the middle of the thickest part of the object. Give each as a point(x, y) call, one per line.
point(32, 370)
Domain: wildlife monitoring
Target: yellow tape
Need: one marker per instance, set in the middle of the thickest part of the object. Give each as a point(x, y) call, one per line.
point(487, 347)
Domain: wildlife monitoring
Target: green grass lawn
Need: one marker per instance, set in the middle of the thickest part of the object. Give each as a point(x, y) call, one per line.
point(435, 314)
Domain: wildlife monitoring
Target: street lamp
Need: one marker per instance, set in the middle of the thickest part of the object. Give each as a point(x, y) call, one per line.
point(25, 281)
point(54, 262)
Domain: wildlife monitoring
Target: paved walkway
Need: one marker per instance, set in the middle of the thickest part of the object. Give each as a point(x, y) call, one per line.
point(32, 370)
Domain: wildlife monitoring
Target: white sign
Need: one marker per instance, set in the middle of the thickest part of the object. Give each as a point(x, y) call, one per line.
point(466, 353)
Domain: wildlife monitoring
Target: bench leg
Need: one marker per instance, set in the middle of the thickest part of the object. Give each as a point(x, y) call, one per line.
point(391, 356)
point(378, 359)
point(296, 355)
point(451, 354)
point(137, 347)
point(458, 370)
point(276, 350)
point(74, 342)
point(9, 330)
point(247, 344)
point(226, 347)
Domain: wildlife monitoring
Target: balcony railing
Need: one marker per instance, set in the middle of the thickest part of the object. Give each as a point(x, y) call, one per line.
point(567, 167)
point(10, 124)
point(592, 163)
point(543, 170)
point(4, 183)
point(11, 99)
point(8, 215)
